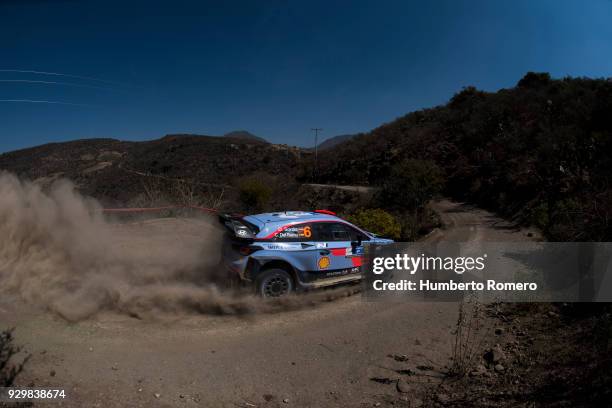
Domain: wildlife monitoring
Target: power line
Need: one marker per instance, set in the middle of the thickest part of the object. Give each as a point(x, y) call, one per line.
point(316, 155)
point(41, 101)
point(27, 71)
point(29, 81)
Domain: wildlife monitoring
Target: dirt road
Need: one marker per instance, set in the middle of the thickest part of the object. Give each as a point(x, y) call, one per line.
point(317, 356)
point(357, 189)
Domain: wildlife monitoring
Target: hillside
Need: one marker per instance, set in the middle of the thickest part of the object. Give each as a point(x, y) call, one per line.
point(117, 171)
point(540, 152)
point(334, 141)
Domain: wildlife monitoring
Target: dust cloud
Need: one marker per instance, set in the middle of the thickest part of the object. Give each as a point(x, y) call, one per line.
point(58, 251)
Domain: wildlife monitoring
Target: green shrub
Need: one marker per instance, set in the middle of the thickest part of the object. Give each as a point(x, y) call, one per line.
point(254, 193)
point(377, 221)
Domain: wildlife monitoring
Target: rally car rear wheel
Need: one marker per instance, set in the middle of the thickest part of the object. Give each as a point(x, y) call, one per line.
point(274, 283)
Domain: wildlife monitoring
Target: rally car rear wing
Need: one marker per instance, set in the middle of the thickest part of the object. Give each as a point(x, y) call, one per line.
point(237, 227)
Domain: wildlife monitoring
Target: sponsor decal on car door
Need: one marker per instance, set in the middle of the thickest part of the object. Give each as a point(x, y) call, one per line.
point(341, 260)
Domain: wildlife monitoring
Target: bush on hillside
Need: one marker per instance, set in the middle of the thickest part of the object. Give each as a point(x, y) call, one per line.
point(377, 221)
point(254, 193)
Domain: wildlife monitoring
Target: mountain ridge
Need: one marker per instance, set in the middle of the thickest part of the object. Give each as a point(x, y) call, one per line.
point(244, 135)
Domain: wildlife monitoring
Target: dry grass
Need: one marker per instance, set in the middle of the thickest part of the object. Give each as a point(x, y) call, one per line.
point(9, 371)
point(469, 337)
point(180, 192)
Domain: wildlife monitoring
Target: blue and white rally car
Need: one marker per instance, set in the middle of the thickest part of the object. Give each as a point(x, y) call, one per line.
point(282, 252)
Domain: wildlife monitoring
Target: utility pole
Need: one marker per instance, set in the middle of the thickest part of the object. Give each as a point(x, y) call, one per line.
point(316, 156)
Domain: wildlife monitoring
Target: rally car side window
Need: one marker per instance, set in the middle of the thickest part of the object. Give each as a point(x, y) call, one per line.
point(322, 231)
point(352, 234)
point(333, 231)
point(341, 233)
point(295, 233)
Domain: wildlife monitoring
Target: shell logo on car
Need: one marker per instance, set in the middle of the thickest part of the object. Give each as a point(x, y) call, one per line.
point(324, 262)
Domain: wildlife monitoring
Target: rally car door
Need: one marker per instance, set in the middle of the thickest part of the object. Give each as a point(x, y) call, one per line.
point(337, 237)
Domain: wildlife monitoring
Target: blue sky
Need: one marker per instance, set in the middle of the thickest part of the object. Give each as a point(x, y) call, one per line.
point(275, 68)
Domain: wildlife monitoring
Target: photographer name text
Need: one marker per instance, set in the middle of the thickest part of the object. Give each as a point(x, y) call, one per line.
point(427, 285)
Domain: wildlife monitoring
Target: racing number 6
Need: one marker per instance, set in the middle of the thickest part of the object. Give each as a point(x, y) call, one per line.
point(307, 232)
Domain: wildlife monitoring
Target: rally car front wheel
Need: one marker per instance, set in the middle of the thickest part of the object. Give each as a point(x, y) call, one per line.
point(274, 283)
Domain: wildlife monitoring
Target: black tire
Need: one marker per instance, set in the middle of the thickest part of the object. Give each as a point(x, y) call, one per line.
point(274, 283)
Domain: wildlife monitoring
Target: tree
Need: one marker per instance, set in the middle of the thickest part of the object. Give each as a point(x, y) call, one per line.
point(534, 80)
point(411, 184)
